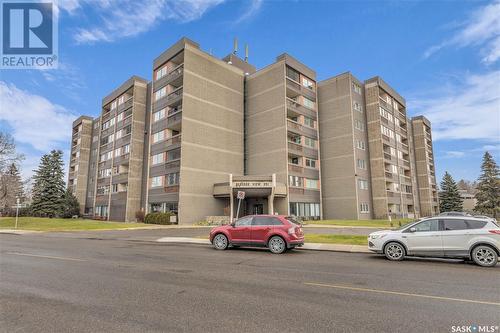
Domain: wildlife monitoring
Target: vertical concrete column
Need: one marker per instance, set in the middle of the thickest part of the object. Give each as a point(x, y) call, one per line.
point(231, 199)
point(270, 198)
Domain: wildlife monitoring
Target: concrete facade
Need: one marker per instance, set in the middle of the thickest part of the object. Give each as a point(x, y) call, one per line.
point(205, 128)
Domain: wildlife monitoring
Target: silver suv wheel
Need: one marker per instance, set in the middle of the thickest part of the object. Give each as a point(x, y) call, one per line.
point(220, 242)
point(277, 245)
point(394, 251)
point(485, 256)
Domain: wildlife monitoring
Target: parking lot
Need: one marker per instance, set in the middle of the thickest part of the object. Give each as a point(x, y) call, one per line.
point(74, 282)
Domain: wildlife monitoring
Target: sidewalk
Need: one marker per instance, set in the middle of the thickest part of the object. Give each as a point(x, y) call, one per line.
point(307, 246)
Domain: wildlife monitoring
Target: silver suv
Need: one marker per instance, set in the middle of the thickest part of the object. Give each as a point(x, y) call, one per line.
point(441, 236)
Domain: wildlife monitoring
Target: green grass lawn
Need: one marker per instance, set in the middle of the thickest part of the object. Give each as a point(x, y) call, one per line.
point(46, 224)
point(362, 223)
point(336, 239)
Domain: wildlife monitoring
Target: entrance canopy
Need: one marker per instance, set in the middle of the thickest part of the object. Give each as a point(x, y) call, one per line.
point(253, 186)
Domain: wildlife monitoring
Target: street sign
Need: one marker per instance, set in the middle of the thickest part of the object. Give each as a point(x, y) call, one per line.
point(240, 195)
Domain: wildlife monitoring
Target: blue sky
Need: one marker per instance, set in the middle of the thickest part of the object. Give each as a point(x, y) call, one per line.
point(442, 56)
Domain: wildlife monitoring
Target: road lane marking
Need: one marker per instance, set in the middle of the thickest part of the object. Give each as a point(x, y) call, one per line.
point(400, 293)
point(40, 256)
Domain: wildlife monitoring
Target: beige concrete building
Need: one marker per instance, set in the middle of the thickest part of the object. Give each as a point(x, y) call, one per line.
point(206, 128)
point(367, 157)
point(78, 174)
point(425, 169)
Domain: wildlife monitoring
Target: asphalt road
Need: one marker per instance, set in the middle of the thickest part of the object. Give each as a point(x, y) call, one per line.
point(68, 284)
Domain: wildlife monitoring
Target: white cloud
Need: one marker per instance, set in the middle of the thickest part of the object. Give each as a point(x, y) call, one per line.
point(482, 28)
point(468, 109)
point(127, 18)
point(250, 11)
point(454, 154)
point(34, 120)
point(67, 78)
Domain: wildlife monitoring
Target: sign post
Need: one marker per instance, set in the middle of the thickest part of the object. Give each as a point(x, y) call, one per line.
point(17, 211)
point(240, 196)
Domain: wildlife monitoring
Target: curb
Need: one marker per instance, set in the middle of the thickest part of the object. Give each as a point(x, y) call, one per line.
point(307, 246)
point(340, 227)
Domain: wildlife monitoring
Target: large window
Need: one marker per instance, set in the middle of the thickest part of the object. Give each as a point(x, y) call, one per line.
point(309, 122)
point(363, 184)
point(295, 181)
point(309, 142)
point(311, 183)
point(310, 163)
point(160, 93)
point(305, 209)
point(156, 181)
point(173, 179)
point(158, 136)
point(159, 115)
point(308, 103)
point(158, 158)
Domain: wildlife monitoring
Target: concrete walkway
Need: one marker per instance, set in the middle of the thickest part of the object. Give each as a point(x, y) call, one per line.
point(307, 246)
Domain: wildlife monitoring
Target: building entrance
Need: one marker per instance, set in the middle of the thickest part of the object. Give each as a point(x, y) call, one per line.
point(258, 209)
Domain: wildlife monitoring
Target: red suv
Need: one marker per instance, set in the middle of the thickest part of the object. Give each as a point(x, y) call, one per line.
point(277, 232)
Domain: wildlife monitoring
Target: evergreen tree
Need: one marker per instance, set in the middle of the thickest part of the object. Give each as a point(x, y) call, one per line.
point(449, 197)
point(71, 205)
point(11, 187)
point(49, 186)
point(488, 188)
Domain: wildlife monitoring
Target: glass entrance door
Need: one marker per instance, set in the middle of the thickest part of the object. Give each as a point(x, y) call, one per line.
point(258, 209)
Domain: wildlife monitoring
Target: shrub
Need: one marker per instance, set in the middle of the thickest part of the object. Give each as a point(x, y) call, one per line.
point(139, 215)
point(158, 218)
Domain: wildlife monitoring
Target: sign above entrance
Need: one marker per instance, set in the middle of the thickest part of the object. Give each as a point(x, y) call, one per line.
point(252, 184)
point(241, 195)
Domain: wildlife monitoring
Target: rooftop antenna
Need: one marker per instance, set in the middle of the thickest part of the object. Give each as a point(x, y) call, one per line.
point(235, 46)
point(246, 52)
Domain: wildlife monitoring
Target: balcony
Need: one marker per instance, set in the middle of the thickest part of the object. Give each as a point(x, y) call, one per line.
point(121, 159)
point(384, 104)
point(174, 96)
point(174, 74)
point(297, 108)
point(125, 105)
point(299, 170)
point(297, 89)
point(300, 150)
point(300, 129)
point(171, 189)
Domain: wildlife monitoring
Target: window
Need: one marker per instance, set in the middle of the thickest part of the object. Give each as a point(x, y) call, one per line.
point(114, 188)
point(174, 154)
point(160, 93)
point(293, 160)
point(113, 105)
point(244, 221)
point(121, 99)
point(311, 183)
point(308, 103)
point(358, 124)
point(117, 152)
point(361, 164)
point(363, 184)
point(384, 113)
point(305, 209)
point(475, 224)
point(161, 72)
point(358, 107)
point(427, 226)
point(156, 181)
point(260, 221)
point(449, 225)
point(295, 181)
point(356, 87)
point(387, 132)
point(310, 163)
point(309, 122)
point(309, 142)
point(126, 149)
point(158, 136)
point(119, 117)
point(364, 208)
point(95, 138)
point(307, 83)
point(360, 144)
point(295, 139)
point(158, 158)
point(173, 179)
point(292, 74)
point(159, 115)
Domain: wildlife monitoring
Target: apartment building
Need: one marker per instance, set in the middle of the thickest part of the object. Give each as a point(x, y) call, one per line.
point(424, 166)
point(282, 133)
point(204, 129)
point(367, 152)
point(117, 153)
point(196, 128)
point(79, 159)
